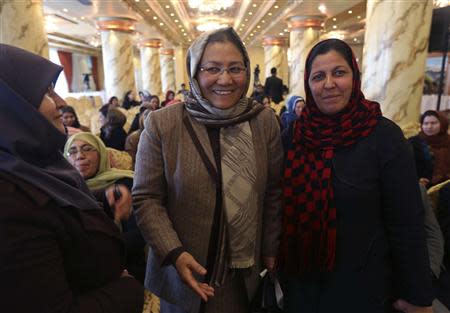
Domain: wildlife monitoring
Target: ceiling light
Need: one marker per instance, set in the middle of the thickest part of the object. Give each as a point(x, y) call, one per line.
point(350, 11)
point(254, 5)
point(270, 14)
point(180, 26)
point(258, 26)
point(281, 34)
point(136, 0)
point(359, 16)
point(355, 39)
point(285, 30)
point(244, 43)
point(276, 7)
point(240, 29)
point(155, 17)
point(251, 34)
point(250, 13)
point(334, 26)
point(176, 21)
point(167, 6)
point(263, 21)
point(147, 10)
point(82, 17)
point(209, 5)
point(322, 8)
point(162, 24)
point(334, 19)
point(65, 10)
point(243, 25)
point(172, 14)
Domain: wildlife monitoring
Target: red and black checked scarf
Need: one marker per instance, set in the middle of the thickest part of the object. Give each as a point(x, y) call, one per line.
point(309, 239)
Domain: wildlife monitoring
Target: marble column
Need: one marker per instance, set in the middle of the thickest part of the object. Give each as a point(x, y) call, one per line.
point(117, 50)
point(395, 50)
point(167, 70)
point(22, 25)
point(151, 72)
point(180, 66)
point(304, 34)
point(275, 55)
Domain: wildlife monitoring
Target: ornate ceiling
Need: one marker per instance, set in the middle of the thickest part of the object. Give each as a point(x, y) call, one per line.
point(180, 22)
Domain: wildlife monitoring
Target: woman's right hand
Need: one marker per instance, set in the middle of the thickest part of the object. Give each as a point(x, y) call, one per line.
point(185, 265)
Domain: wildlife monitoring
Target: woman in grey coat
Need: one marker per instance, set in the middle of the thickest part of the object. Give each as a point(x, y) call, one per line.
point(207, 185)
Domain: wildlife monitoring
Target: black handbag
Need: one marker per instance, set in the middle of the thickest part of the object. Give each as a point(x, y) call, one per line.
point(269, 297)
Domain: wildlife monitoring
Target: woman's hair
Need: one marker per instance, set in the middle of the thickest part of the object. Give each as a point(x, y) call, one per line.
point(104, 110)
point(69, 109)
point(111, 99)
point(114, 119)
point(429, 113)
point(156, 97)
point(328, 45)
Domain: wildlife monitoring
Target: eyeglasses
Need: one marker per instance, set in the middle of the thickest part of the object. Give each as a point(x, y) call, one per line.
point(73, 151)
point(234, 71)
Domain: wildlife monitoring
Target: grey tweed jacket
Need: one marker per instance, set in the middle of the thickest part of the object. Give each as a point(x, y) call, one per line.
point(175, 197)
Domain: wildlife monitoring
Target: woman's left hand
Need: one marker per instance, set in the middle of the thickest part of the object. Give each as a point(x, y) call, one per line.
point(269, 262)
point(405, 306)
point(122, 205)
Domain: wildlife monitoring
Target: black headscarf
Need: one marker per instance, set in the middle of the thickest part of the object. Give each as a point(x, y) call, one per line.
point(30, 146)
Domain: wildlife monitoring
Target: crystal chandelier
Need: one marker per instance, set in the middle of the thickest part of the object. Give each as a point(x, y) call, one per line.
point(441, 3)
point(210, 26)
point(210, 5)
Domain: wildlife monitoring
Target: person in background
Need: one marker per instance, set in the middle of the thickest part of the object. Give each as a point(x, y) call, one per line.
point(207, 185)
point(170, 96)
point(129, 101)
point(183, 91)
point(70, 120)
point(432, 149)
point(151, 103)
point(87, 153)
point(113, 102)
point(131, 144)
point(294, 108)
point(60, 252)
point(258, 93)
point(112, 132)
point(273, 86)
point(353, 213)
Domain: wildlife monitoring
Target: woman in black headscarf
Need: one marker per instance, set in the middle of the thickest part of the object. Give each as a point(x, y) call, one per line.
point(59, 251)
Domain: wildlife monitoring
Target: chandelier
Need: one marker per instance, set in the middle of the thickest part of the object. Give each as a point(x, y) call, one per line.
point(205, 27)
point(441, 3)
point(210, 5)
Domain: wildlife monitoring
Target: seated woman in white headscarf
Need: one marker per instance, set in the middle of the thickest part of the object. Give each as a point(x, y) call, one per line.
point(88, 154)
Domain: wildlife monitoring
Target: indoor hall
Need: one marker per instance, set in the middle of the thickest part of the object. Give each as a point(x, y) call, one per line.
point(123, 59)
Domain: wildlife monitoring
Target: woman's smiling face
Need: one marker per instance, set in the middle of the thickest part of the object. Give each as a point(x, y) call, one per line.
point(224, 89)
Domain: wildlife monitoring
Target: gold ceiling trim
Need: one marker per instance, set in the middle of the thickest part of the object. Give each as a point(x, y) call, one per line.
point(117, 23)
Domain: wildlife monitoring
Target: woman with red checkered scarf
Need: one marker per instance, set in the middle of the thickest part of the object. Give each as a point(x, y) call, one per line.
point(354, 236)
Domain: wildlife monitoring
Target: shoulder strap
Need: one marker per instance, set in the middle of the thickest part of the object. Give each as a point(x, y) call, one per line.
point(209, 166)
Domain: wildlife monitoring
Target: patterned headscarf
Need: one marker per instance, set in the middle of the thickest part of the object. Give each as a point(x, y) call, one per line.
point(198, 106)
point(310, 216)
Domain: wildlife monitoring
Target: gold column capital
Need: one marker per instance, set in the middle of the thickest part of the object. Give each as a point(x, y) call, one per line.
point(117, 23)
point(167, 51)
point(275, 41)
point(307, 21)
point(150, 43)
